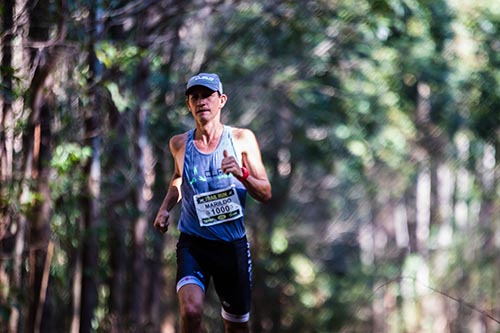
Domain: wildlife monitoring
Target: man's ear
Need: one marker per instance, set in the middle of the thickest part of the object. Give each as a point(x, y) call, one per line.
point(223, 100)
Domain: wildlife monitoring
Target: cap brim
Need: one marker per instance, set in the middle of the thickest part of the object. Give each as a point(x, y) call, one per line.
point(198, 85)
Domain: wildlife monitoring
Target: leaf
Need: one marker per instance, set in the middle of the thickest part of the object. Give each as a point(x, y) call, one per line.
point(119, 100)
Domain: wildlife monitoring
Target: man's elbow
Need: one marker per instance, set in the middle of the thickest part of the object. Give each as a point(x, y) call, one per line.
point(266, 196)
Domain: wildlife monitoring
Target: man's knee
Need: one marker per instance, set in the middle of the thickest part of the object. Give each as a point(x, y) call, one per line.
point(191, 311)
point(191, 301)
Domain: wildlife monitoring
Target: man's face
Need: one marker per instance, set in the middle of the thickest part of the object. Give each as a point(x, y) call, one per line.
point(204, 104)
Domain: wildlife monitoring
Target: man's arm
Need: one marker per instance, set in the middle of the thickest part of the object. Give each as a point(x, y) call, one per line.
point(257, 182)
point(173, 195)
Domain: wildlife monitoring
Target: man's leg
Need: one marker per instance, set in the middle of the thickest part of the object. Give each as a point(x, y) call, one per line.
point(234, 287)
point(191, 298)
point(236, 327)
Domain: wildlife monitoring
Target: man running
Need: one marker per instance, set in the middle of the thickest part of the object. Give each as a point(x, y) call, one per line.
point(215, 166)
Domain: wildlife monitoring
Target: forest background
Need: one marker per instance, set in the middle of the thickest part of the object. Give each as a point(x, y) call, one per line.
point(379, 125)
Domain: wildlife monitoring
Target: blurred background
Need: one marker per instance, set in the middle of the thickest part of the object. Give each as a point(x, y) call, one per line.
point(379, 124)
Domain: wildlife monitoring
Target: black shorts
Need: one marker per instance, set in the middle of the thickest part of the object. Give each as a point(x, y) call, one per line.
point(228, 263)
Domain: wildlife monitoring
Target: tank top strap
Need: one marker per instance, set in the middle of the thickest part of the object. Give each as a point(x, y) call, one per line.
point(228, 135)
point(190, 136)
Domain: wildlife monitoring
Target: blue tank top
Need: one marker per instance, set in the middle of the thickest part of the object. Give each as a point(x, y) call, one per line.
point(206, 189)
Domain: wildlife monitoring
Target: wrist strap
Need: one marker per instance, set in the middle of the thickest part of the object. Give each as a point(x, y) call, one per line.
point(245, 174)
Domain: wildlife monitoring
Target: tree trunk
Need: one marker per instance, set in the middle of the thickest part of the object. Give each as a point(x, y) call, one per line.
point(92, 170)
point(118, 226)
point(76, 291)
point(6, 114)
point(90, 212)
point(143, 194)
point(6, 155)
point(39, 156)
point(39, 231)
point(488, 179)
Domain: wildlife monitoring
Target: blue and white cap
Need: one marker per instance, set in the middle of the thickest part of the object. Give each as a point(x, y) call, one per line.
point(209, 80)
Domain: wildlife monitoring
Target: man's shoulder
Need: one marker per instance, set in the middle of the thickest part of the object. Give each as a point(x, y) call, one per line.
point(244, 140)
point(178, 141)
point(240, 134)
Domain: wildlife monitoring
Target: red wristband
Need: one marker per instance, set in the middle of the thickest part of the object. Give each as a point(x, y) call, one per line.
point(245, 174)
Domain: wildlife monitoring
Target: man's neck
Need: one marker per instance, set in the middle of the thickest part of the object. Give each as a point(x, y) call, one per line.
point(207, 136)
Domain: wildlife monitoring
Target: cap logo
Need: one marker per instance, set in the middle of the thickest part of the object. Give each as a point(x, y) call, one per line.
point(204, 78)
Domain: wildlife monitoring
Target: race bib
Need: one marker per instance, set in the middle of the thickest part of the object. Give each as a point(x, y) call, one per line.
point(218, 206)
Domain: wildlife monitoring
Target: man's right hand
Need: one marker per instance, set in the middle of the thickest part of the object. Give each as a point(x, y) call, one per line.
point(161, 221)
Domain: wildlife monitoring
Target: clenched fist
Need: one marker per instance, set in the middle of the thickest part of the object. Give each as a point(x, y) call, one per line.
point(230, 165)
point(161, 221)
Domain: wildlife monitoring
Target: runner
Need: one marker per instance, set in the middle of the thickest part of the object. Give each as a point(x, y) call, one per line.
point(215, 166)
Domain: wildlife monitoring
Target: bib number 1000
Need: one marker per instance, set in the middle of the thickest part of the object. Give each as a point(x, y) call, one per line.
point(221, 210)
point(218, 206)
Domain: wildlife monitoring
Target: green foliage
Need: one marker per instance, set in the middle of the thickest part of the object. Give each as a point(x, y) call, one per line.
point(353, 103)
point(68, 156)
